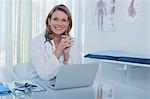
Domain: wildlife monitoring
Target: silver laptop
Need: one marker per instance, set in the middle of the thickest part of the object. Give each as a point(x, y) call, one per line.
point(75, 75)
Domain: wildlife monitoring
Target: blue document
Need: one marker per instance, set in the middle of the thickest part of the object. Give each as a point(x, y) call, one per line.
point(4, 89)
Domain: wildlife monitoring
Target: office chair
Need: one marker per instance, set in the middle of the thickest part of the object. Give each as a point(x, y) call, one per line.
point(21, 71)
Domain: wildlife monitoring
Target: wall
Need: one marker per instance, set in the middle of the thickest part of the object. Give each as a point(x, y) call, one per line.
point(131, 37)
point(149, 34)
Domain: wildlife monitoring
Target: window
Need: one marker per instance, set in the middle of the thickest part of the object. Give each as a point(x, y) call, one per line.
point(21, 20)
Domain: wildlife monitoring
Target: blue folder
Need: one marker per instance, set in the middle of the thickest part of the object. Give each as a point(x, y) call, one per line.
point(4, 89)
point(119, 55)
point(101, 56)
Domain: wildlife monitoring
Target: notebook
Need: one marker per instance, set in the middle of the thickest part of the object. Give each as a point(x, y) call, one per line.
point(75, 75)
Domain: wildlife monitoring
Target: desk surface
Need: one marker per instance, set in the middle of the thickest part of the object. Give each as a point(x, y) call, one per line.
point(99, 89)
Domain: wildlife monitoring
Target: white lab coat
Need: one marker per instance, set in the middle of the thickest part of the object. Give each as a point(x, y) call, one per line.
point(44, 61)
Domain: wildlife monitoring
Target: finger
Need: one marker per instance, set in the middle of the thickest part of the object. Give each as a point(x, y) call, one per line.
point(67, 40)
point(67, 37)
point(67, 44)
point(70, 44)
point(72, 40)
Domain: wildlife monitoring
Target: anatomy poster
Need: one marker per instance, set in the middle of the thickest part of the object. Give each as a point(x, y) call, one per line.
point(104, 15)
point(132, 11)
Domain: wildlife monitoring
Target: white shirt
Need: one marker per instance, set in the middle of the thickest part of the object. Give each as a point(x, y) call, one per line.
point(45, 62)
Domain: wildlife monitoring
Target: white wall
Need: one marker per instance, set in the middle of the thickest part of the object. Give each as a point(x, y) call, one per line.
point(149, 34)
point(132, 37)
point(148, 18)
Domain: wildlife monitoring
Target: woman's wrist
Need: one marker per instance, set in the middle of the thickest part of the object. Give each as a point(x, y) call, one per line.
point(66, 59)
point(57, 53)
point(65, 62)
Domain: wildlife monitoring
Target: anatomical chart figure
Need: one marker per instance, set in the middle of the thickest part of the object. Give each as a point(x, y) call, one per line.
point(100, 13)
point(131, 9)
point(112, 11)
point(105, 14)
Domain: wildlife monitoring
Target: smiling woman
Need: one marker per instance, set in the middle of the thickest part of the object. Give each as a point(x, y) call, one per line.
point(20, 22)
point(52, 49)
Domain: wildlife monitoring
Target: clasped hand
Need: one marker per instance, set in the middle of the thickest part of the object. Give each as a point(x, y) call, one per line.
point(65, 42)
point(64, 47)
point(69, 43)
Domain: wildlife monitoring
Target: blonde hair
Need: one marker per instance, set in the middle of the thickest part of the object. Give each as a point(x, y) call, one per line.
point(48, 32)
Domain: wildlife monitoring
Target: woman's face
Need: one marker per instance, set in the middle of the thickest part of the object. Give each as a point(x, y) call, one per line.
point(59, 22)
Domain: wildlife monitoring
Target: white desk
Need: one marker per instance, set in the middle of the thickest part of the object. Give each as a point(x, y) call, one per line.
point(121, 91)
point(76, 93)
point(118, 91)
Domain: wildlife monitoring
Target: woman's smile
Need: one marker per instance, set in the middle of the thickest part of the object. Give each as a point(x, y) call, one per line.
point(59, 22)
